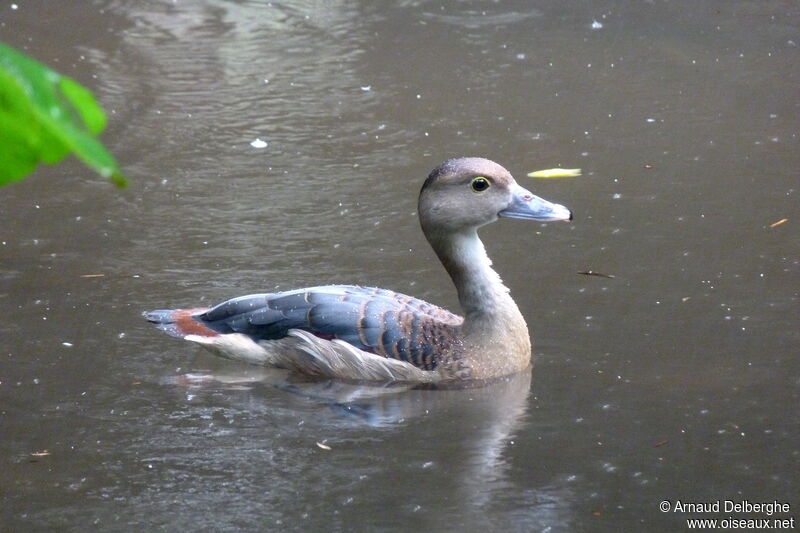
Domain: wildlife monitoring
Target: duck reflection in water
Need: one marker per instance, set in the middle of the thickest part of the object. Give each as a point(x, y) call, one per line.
point(492, 411)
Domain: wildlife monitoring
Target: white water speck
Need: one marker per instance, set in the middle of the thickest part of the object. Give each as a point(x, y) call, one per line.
point(596, 25)
point(366, 88)
point(67, 344)
point(258, 143)
point(14, 6)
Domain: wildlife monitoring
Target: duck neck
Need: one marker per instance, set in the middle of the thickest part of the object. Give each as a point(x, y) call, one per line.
point(483, 297)
point(495, 337)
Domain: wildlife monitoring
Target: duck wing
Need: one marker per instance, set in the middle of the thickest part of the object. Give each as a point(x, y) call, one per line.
point(376, 321)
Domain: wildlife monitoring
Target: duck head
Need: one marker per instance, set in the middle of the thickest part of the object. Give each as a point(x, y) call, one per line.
point(470, 192)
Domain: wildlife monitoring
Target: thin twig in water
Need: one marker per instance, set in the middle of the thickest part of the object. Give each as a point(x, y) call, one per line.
point(598, 274)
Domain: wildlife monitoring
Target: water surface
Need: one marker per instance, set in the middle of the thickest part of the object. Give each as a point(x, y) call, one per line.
point(678, 378)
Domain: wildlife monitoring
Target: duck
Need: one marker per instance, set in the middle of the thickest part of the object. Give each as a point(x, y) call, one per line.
point(368, 334)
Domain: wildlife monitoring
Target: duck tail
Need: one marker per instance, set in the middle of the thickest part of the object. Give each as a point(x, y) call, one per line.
point(178, 322)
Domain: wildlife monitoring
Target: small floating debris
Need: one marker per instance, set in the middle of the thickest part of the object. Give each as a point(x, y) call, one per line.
point(92, 275)
point(648, 166)
point(596, 24)
point(258, 143)
point(779, 222)
point(555, 173)
point(660, 443)
point(322, 446)
point(41, 453)
point(598, 274)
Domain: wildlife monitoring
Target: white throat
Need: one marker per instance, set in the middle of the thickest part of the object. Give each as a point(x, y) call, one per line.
point(480, 290)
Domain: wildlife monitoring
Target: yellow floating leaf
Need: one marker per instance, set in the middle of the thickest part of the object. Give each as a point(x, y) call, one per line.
point(779, 222)
point(556, 173)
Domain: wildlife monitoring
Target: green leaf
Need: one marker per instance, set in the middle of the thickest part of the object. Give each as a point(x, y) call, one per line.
point(83, 100)
point(44, 116)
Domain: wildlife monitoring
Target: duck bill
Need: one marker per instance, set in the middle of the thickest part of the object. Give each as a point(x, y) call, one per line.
point(526, 205)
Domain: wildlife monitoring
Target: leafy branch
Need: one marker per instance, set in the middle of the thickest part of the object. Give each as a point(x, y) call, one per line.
point(44, 116)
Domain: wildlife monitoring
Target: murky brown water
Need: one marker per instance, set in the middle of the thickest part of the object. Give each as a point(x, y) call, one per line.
point(676, 379)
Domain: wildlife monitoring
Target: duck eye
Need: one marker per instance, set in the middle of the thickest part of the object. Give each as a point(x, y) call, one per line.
point(480, 184)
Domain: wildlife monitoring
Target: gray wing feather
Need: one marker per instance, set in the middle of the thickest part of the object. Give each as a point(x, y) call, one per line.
point(376, 321)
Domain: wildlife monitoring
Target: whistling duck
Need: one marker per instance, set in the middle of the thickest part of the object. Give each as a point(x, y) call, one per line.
point(369, 334)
